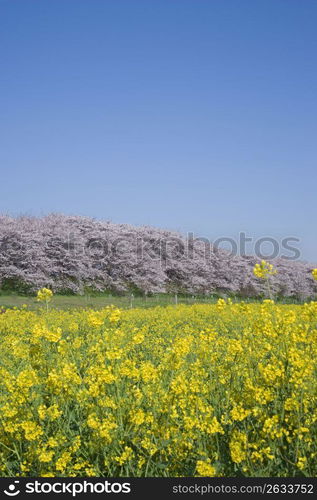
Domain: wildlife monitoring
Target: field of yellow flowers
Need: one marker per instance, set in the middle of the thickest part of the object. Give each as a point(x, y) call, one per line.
point(209, 390)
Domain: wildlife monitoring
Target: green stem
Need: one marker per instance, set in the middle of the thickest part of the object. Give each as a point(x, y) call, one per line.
point(269, 288)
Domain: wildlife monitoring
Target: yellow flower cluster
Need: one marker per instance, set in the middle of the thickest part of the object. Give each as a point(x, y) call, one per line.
point(44, 295)
point(211, 390)
point(264, 270)
point(314, 273)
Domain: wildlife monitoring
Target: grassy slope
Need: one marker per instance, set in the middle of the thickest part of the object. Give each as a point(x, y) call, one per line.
point(100, 301)
point(95, 302)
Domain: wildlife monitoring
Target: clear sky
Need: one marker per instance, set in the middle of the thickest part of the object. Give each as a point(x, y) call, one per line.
point(192, 115)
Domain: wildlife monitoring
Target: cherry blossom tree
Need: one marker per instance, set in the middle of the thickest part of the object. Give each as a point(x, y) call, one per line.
point(73, 254)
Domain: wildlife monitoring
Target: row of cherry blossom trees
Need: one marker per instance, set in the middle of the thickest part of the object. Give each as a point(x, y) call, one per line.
point(75, 254)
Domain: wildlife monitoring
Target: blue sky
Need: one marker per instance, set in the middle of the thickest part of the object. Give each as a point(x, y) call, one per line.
point(192, 115)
